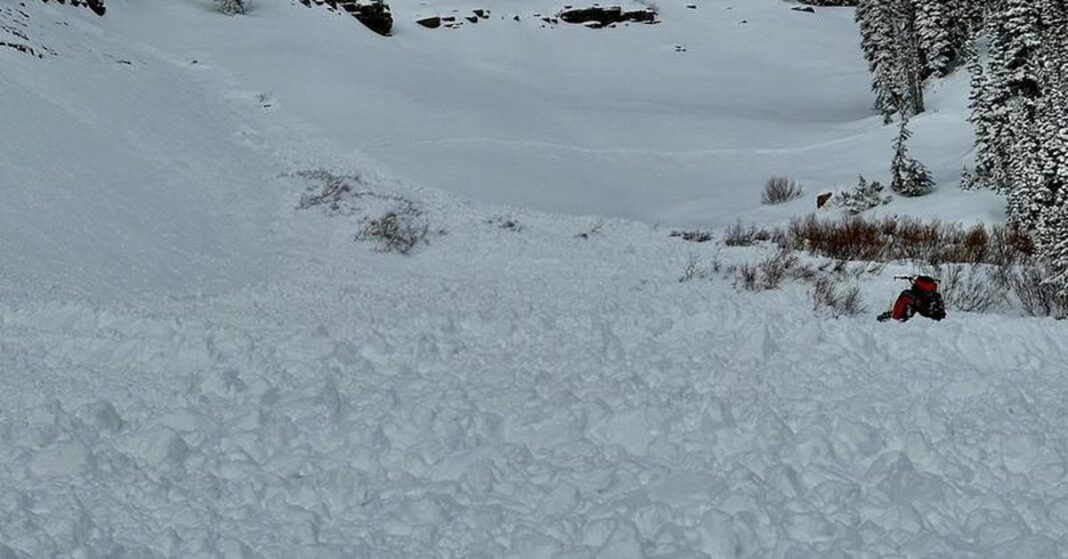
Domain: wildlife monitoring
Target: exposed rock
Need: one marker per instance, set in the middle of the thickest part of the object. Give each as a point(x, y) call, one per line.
point(376, 16)
point(829, 2)
point(430, 22)
point(484, 14)
point(97, 6)
point(806, 9)
point(471, 19)
point(822, 199)
point(603, 17)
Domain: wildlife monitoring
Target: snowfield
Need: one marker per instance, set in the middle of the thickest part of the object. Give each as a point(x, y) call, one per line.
point(191, 366)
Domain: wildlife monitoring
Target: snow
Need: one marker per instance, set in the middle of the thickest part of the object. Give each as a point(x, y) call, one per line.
point(192, 367)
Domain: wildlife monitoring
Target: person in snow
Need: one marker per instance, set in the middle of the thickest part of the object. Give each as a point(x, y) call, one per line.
point(921, 298)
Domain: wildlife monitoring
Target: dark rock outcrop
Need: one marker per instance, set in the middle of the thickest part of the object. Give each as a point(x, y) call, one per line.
point(430, 22)
point(601, 17)
point(374, 14)
point(97, 6)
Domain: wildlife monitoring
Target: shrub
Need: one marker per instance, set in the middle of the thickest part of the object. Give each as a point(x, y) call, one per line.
point(738, 235)
point(398, 230)
point(336, 191)
point(749, 276)
point(1037, 297)
point(594, 229)
point(780, 189)
point(232, 7)
point(770, 272)
point(826, 295)
point(969, 288)
point(774, 269)
point(696, 236)
point(865, 196)
point(694, 270)
point(894, 239)
point(506, 223)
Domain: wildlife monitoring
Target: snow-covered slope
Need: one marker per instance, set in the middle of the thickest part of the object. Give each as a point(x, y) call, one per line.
point(193, 367)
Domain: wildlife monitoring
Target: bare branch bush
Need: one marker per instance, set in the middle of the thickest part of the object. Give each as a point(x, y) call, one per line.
point(1036, 296)
point(738, 235)
point(828, 296)
point(779, 190)
point(969, 287)
point(398, 230)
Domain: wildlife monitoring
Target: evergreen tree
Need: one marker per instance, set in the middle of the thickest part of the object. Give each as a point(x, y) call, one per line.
point(935, 31)
point(877, 22)
point(864, 196)
point(891, 44)
point(1058, 256)
point(909, 177)
point(985, 155)
point(910, 57)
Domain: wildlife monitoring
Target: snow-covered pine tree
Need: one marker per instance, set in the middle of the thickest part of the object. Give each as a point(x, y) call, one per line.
point(977, 97)
point(231, 7)
point(910, 58)
point(1047, 191)
point(1058, 256)
point(1053, 236)
point(1017, 47)
point(878, 38)
point(1004, 92)
point(935, 32)
point(909, 177)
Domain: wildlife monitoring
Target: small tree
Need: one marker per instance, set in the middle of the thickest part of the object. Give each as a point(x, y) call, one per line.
point(865, 196)
point(231, 7)
point(910, 177)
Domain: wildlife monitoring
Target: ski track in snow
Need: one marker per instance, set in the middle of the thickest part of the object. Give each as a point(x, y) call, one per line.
point(697, 153)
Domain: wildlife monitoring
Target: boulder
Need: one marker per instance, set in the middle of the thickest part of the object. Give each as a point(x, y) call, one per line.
point(374, 14)
point(602, 17)
point(430, 22)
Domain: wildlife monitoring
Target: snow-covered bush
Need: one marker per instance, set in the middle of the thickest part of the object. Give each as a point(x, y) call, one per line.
point(738, 235)
point(779, 190)
point(336, 192)
point(506, 223)
point(770, 273)
point(694, 269)
point(695, 236)
point(828, 296)
point(594, 230)
point(969, 288)
point(775, 269)
point(398, 230)
point(232, 7)
point(1037, 296)
point(864, 196)
point(748, 277)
